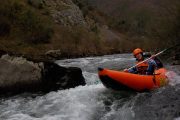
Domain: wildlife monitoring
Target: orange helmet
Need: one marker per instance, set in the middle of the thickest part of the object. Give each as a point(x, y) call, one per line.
point(137, 51)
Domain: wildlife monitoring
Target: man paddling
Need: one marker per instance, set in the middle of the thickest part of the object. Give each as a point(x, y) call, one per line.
point(144, 68)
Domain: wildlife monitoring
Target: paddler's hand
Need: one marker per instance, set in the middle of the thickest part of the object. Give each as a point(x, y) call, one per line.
point(125, 70)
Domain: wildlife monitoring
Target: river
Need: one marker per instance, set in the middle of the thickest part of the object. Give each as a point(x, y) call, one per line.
point(94, 101)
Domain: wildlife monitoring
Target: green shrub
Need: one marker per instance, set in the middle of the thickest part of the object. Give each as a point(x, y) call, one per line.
point(37, 29)
point(4, 27)
point(32, 26)
point(36, 3)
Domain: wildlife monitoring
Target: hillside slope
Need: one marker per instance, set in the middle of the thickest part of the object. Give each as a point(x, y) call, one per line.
point(36, 26)
point(87, 27)
point(144, 21)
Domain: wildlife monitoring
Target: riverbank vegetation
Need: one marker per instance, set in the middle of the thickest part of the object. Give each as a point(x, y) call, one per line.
point(151, 24)
point(27, 27)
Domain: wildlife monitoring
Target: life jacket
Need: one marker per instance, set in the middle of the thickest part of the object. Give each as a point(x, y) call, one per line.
point(142, 68)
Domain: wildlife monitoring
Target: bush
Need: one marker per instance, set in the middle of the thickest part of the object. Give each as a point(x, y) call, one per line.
point(36, 28)
point(4, 27)
point(31, 25)
point(36, 3)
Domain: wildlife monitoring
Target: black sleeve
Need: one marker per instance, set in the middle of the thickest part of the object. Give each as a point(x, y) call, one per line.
point(158, 62)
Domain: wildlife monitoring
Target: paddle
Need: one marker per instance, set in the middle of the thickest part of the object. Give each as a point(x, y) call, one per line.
point(154, 56)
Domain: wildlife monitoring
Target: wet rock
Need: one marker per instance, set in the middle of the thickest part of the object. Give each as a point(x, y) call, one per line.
point(57, 77)
point(2, 52)
point(18, 75)
point(53, 53)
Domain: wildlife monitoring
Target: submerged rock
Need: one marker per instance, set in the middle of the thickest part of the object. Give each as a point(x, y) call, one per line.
point(18, 75)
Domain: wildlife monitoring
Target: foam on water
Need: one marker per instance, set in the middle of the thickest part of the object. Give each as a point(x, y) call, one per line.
point(173, 78)
point(177, 118)
point(173, 75)
point(80, 103)
point(91, 78)
point(90, 102)
point(73, 62)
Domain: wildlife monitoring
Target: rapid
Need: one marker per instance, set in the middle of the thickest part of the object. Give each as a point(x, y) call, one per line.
point(95, 102)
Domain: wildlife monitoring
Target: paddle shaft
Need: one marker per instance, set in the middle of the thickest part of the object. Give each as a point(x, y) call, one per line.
point(153, 56)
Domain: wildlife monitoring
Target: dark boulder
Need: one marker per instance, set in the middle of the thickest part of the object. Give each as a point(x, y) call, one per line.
point(57, 77)
point(2, 52)
point(18, 75)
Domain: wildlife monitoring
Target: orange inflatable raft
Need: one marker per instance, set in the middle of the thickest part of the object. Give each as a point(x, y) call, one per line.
point(127, 81)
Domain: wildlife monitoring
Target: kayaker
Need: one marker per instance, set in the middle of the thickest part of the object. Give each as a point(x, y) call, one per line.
point(145, 68)
point(158, 61)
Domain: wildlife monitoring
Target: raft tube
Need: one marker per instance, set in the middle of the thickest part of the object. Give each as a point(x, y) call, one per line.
point(118, 80)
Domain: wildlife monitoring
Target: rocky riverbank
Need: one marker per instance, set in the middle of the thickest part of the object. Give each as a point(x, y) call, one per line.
point(20, 75)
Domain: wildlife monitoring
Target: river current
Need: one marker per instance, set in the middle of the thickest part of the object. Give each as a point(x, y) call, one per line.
point(95, 102)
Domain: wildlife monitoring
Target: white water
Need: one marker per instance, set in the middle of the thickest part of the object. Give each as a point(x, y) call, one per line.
point(81, 103)
point(90, 102)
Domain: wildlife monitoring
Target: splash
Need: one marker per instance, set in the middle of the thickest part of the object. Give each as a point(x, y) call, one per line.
point(91, 78)
point(94, 101)
point(177, 118)
point(173, 75)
